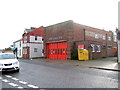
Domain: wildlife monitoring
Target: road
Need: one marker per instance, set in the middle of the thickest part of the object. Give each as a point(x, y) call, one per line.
point(35, 74)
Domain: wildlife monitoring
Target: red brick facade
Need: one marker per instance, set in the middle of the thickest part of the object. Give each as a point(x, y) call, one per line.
point(76, 34)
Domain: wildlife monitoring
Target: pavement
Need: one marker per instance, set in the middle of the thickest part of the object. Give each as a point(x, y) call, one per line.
point(109, 63)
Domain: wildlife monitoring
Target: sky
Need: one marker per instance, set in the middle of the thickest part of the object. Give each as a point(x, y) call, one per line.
point(17, 15)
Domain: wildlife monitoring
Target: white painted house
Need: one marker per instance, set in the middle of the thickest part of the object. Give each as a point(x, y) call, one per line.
point(33, 43)
point(18, 45)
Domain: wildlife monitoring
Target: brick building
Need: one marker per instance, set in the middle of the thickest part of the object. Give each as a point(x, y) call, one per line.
point(62, 40)
point(33, 42)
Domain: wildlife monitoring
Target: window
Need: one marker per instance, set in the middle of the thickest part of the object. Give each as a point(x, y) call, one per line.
point(115, 38)
point(35, 50)
point(25, 39)
point(93, 47)
point(42, 50)
point(20, 44)
point(109, 46)
point(25, 51)
point(35, 37)
point(88, 33)
point(109, 38)
point(42, 39)
point(98, 48)
point(20, 52)
point(7, 56)
point(96, 36)
point(103, 37)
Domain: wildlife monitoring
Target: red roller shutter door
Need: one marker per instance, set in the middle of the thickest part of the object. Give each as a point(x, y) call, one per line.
point(57, 50)
point(62, 54)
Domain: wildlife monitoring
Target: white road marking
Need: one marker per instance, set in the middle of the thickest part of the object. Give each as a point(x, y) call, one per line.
point(32, 86)
point(5, 80)
point(15, 79)
point(20, 87)
point(13, 84)
point(8, 76)
point(22, 82)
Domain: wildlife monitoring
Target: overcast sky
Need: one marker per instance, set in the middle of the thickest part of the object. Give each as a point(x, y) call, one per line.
point(16, 15)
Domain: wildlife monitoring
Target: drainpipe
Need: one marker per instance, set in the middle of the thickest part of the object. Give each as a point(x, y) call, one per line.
point(106, 45)
point(84, 33)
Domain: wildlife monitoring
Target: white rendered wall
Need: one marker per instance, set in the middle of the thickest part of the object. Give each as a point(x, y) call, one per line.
point(39, 50)
point(32, 39)
point(19, 48)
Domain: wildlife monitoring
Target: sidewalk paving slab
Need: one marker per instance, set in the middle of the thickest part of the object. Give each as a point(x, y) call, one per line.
point(109, 63)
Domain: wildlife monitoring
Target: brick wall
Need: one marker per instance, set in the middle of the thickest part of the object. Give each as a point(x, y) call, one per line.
point(77, 34)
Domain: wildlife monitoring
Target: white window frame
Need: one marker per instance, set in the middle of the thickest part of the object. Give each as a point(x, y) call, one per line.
point(19, 52)
point(115, 38)
point(109, 38)
point(97, 36)
point(93, 47)
point(99, 48)
point(35, 49)
point(104, 37)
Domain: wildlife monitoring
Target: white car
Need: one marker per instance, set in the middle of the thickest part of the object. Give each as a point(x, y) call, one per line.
point(8, 62)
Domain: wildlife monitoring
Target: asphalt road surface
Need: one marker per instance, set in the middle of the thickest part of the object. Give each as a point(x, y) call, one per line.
point(35, 74)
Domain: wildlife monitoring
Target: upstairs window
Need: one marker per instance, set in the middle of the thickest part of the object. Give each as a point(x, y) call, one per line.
point(103, 37)
point(96, 36)
point(115, 38)
point(35, 37)
point(109, 38)
point(25, 39)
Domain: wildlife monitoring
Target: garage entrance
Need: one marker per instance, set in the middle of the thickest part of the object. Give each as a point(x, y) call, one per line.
point(57, 50)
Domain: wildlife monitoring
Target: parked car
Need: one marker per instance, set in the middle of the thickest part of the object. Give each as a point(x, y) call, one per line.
point(8, 62)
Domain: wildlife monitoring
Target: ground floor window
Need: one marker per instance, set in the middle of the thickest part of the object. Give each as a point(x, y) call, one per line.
point(109, 46)
point(25, 51)
point(35, 50)
point(98, 48)
point(20, 52)
point(93, 47)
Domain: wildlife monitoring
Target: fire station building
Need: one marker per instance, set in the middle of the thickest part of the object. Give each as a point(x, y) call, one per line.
point(62, 40)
